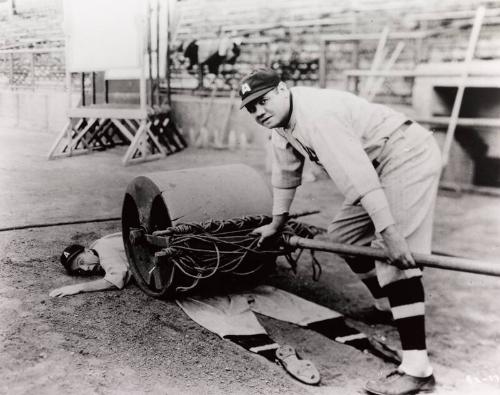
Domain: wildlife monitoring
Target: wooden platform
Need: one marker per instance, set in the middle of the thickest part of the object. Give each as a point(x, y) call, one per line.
point(149, 133)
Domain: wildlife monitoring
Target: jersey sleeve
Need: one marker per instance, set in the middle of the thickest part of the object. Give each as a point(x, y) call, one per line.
point(113, 260)
point(342, 155)
point(287, 163)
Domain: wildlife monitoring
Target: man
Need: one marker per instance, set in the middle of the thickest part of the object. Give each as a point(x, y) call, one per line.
point(388, 169)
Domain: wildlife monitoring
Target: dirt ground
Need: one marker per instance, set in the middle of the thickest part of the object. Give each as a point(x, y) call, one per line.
point(128, 343)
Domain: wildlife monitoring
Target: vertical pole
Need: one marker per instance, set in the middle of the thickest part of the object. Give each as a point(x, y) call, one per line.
point(355, 65)
point(167, 60)
point(377, 61)
point(157, 97)
point(69, 104)
point(322, 64)
point(69, 129)
point(355, 55)
point(83, 89)
point(93, 88)
point(355, 49)
point(150, 60)
point(474, 36)
point(419, 44)
point(377, 83)
point(106, 91)
point(355, 52)
point(170, 20)
point(68, 88)
point(142, 82)
point(200, 76)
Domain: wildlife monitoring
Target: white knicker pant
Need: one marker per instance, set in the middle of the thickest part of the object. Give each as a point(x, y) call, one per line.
point(233, 314)
point(409, 173)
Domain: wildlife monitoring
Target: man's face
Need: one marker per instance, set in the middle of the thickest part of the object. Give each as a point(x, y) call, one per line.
point(86, 263)
point(272, 109)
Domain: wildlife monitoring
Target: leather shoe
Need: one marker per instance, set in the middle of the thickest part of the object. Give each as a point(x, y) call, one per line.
point(400, 383)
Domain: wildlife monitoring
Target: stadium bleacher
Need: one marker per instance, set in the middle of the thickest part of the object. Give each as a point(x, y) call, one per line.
point(282, 33)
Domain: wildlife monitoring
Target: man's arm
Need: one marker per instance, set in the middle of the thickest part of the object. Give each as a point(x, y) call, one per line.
point(268, 231)
point(345, 160)
point(286, 177)
point(90, 286)
point(282, 200)
point(398, 251)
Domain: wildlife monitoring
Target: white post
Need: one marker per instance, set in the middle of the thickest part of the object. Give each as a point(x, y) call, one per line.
point(450, 132)
point(142, 49)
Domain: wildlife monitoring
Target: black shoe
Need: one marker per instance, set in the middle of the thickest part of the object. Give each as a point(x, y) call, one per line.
point(400, 383)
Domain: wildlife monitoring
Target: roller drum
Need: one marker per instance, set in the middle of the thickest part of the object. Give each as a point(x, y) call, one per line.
point(160, 200)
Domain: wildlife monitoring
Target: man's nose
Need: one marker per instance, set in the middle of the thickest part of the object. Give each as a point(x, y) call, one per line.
point(259, 110)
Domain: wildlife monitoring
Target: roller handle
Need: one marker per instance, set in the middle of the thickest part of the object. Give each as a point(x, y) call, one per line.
point(428, 260)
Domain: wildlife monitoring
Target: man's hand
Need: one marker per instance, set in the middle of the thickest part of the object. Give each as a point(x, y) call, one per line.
point(66, 291)
point(397, 249)
point(266, 232)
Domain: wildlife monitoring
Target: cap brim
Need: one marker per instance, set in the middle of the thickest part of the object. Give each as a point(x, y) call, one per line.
point(256, 95)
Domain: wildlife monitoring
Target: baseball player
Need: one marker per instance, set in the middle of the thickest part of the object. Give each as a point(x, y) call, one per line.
point(388, 169)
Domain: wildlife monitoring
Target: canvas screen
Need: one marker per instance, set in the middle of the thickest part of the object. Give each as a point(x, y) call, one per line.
point(104, 34)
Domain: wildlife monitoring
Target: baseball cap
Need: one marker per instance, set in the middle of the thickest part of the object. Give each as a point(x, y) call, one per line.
point(70, 253)
point(257, 84)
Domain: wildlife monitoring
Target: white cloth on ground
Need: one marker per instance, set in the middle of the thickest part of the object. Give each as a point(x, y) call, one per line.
point(232, 314)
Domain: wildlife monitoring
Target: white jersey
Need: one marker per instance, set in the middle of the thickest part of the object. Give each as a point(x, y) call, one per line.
point(346, 135)
point(113, 259)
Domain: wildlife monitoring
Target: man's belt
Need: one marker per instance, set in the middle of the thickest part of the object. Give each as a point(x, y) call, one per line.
point(405, 125)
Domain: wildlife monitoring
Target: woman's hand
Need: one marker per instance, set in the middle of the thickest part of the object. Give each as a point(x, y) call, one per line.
point(398, 252)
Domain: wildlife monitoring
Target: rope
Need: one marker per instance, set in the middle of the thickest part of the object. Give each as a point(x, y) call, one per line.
point(200, 251)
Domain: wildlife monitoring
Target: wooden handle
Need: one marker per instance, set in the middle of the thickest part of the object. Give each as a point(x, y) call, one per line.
point(436, 261)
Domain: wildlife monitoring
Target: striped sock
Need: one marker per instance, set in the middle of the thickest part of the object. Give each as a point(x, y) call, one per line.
point(365, 270)
point(260, 344)
point(407, 301)
point(408, 308)
point(336, 329)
